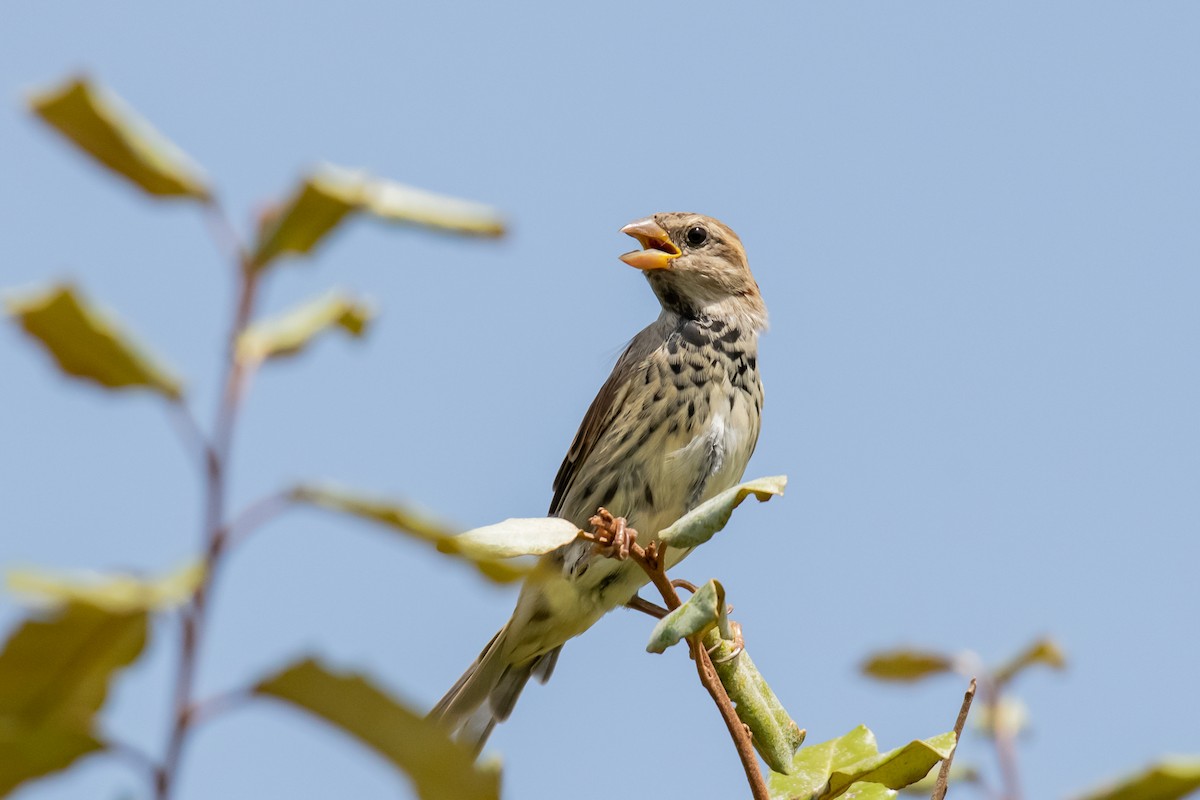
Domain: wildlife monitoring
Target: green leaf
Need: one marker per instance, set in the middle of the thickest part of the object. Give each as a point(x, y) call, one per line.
point(830, 769)
point(1043, 651)
point(88, 343)
point(700, 524)
point(54, 676)
point(117, 594)
point(440, 768)
point(959, 773)
point(325, 199)
point(512, 538)
point(290, 333)
point(413, 522)
point(101, 125)
point(906, 664)
point(703, 610)
point(774, 734)
point(1168, 779)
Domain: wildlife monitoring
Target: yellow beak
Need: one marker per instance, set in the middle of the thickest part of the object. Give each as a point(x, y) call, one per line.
point(658, 250)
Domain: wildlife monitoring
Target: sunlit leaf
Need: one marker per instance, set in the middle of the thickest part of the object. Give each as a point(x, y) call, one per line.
point(700, 524)
point(54, 677)
point(1043, 651)
point(440, 768)
point(1169, 779)
point(774, 733)
point(906, 664)
point(89, 344)
point(703, 610)
point(533, 536)
point(827, 770)
point(290, 333)
point(117, 593)
point(410, 521)
point(326, 198)
point(109, 131)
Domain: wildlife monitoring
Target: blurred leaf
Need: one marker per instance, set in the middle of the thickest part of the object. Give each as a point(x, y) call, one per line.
point(1043, 651)
point(533, 536)
point(117, 594)
point(703, 610)
point(408, 520)
point(109, 131)
point(829, 769)
point(88, 344)
point(440, 768)
point(1008, 717)
point(959, 773)
point(700, 524)
point(906, 664)
point(774, 734)
point(290, 333)
point(327, 197)
point(1169, 779)
point(54, 676)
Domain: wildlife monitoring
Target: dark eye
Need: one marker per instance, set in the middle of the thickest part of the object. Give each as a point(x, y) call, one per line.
point(696, 236)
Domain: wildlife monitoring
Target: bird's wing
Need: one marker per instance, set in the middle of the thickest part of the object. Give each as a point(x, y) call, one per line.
point(601, 413)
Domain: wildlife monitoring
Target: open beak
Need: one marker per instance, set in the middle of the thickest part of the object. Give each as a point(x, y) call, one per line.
point(658, 249)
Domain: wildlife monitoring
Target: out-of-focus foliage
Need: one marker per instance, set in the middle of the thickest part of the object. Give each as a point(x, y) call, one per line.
point(440, 768)
point(117, 594)
point(101, 125)
point(1169, 779)
point(88, 343)
point(291, 332)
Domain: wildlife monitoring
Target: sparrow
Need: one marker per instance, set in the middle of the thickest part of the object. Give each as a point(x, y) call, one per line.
point(674, 424)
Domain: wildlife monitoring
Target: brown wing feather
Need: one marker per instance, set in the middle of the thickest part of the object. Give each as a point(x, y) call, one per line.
point(599, 417)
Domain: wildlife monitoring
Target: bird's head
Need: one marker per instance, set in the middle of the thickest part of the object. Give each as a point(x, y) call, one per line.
point(696, 265)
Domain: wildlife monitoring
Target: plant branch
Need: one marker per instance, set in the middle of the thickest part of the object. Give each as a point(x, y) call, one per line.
point(215, 531)
point(255, 516)
point(652, 560)
point(943, 778)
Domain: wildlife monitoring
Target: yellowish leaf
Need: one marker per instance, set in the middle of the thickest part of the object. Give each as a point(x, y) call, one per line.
point(289, 333)
point(117, 594)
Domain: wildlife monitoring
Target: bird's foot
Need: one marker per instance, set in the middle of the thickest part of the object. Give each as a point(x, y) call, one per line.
point(612, 536)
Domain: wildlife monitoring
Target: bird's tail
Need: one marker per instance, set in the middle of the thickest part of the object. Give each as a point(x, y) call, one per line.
point(488, 690)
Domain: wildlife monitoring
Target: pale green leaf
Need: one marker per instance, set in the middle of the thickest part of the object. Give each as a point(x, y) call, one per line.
point(906, 664)
point(440, 768)
point(830, 769)
point(109, 131)
point(868, 791)
point(88, 343)
point(703, 610)
point(512, 538)
point(774, 734)
point(700, 524)
point(115, 593)
point(409, 520)
point(290, 333)
point(54, 677)
point(1169, 779)
point(326, 198)
point(1043, 651)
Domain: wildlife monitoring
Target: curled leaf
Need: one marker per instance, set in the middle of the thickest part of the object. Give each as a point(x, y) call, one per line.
point(774, 733)
point(117, 594)
point(700, 524)
point(703, 610)
point(906, 664)
point(289, 333)
point(105, 128)
point(326, 198)
point(440, 768)
point(88, 343)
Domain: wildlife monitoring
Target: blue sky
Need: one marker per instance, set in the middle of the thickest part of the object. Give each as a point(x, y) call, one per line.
point(974, 226)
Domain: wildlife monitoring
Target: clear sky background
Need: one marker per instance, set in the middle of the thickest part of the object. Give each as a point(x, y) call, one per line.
point(975, 226)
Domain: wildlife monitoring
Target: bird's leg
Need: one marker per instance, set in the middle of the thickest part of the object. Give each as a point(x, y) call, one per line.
point(612, 536)
point(638, 603)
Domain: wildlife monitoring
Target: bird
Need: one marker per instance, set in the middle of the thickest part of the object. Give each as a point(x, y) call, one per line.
point(674, 424)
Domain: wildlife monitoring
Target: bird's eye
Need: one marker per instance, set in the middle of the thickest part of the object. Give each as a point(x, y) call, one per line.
point(696, 236)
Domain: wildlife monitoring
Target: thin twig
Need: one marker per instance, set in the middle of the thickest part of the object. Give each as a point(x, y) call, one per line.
point(255, 516)
point(652, 560)
point(190, 434)
point(134, 756)
point(215, 531)
point(943, 778)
